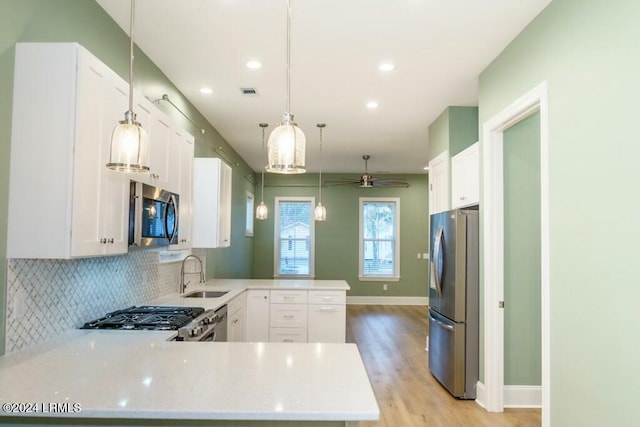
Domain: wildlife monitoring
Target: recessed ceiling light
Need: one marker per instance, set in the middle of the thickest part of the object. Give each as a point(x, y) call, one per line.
point(206, 90)
point(372, 104)
point(386, 66)
point(254, 65)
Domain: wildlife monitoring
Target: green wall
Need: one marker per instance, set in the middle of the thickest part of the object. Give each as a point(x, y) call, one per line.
point(463, 128)
point(86, 23)
point(522, 328)
point(587, 51)
point(337, 238)
point(455, 129)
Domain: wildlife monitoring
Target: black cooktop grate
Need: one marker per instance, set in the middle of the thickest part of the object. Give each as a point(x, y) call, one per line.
point(146, 317)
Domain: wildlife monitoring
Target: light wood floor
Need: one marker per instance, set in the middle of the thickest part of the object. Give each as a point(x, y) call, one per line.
point(391, 340)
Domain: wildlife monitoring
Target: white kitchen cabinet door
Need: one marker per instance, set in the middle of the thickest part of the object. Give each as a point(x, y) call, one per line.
point(63, 202)
point(327, 316)
point(327, 323)
point(257, 321)
point(183, 143)
point(465, 177)
point(237, 315)
point(439, 183)
point(211, 227)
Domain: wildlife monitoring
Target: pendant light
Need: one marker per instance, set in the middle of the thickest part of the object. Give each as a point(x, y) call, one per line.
point(320, 212)
point(262, 212)
point(286, 152)
point(129, 142)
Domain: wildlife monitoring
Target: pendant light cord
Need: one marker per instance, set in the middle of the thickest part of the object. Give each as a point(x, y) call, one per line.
point(288, 57)
point(133, 8)
point(320, 126)
point(263, 126)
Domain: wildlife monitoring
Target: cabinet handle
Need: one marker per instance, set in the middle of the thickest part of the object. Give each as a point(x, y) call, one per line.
point(288, 297)
point(287, 340)
point(111, 240)
point(289, 316)
point(235, 321)
point(103, 240)
point(327, 298)
point(327, 309)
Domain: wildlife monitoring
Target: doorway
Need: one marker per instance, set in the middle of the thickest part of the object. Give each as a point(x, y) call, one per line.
point(491, 392)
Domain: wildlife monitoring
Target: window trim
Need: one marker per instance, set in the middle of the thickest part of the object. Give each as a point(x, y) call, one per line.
point(276, 239)
point(395, 276)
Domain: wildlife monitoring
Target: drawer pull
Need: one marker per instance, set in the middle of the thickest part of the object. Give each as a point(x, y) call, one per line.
point(289, 316)
point(327, 309)
point(287, 340)
point(327, 298)
point(288, 297)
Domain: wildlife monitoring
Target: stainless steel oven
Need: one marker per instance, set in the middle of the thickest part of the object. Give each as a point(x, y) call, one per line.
point(153, 216)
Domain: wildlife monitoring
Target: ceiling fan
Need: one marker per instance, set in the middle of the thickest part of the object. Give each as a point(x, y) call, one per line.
point(368, 181)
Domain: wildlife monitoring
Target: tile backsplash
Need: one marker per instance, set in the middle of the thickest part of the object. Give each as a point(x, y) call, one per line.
point(48, 297)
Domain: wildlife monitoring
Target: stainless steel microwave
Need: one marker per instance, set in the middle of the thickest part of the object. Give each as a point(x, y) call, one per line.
point(153, 216)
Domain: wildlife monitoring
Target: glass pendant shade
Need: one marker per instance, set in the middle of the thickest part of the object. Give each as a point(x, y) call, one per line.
point(129, 146)
point(286, 148)
point(320, 213)
point(262, 212)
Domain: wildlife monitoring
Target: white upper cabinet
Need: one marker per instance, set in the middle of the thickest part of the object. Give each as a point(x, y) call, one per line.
point(211, 227)
point(465, 177)
point(63, 201)
point(439, 183)
point(181, 151)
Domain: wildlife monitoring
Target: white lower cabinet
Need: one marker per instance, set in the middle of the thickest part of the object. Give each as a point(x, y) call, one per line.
point(288, 335)
point(257, 320)
point(327, 316)
point(237, 313)
point(288, 316)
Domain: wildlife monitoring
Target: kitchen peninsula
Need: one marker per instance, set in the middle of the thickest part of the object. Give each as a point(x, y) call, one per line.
point(144, 377)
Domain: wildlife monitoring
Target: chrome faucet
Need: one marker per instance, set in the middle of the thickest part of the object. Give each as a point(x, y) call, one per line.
point(183, 285)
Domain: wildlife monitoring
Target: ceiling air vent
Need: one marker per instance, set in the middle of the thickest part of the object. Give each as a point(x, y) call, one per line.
point(249, 91)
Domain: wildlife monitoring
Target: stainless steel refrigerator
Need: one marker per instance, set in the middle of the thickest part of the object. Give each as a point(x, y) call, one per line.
point(453, 301)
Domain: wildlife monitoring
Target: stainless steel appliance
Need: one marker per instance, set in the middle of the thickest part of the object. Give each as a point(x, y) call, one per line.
point(210, 326)
point(454, 301)
point(153, 216)
point(191, 323)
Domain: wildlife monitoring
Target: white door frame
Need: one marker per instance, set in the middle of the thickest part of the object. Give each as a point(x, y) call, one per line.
point(534, 101)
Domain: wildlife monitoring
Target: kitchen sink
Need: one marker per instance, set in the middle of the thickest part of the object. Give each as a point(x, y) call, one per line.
point(205, 294)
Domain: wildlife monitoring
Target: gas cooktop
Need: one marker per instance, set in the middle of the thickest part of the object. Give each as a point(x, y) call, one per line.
point(146, 317)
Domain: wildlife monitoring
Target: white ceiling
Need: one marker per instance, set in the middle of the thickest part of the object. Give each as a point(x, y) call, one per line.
point(439, 48)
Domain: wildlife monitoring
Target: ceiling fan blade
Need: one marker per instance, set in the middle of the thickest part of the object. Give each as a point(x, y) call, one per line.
point(397, 183)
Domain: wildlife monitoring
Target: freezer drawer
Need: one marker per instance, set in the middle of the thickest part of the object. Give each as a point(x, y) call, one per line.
point(447, 356)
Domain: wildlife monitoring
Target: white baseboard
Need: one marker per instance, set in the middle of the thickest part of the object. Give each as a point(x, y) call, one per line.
point(388, 300)
point(523, 396)
point(515, 396)
point(481, 394)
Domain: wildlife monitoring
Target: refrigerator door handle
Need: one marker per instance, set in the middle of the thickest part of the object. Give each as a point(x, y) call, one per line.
point(437, 273)
point(441, 324)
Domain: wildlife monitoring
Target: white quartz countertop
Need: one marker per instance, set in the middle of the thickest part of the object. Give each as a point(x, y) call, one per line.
point(237, 286)
point(139, 374)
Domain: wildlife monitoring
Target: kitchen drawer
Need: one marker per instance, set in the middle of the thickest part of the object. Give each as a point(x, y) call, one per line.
point(327, 297)
point(237, 303)
point(288, 335)
point(288, 316)
point(289, 297)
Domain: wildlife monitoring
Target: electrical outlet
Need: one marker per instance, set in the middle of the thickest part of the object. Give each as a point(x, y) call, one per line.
point(419, 255)
point(425, 255)
point(384, 287)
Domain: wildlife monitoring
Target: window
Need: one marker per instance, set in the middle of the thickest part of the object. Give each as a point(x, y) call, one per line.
point(248, 229)
point(294, 236)
point(379, 238)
